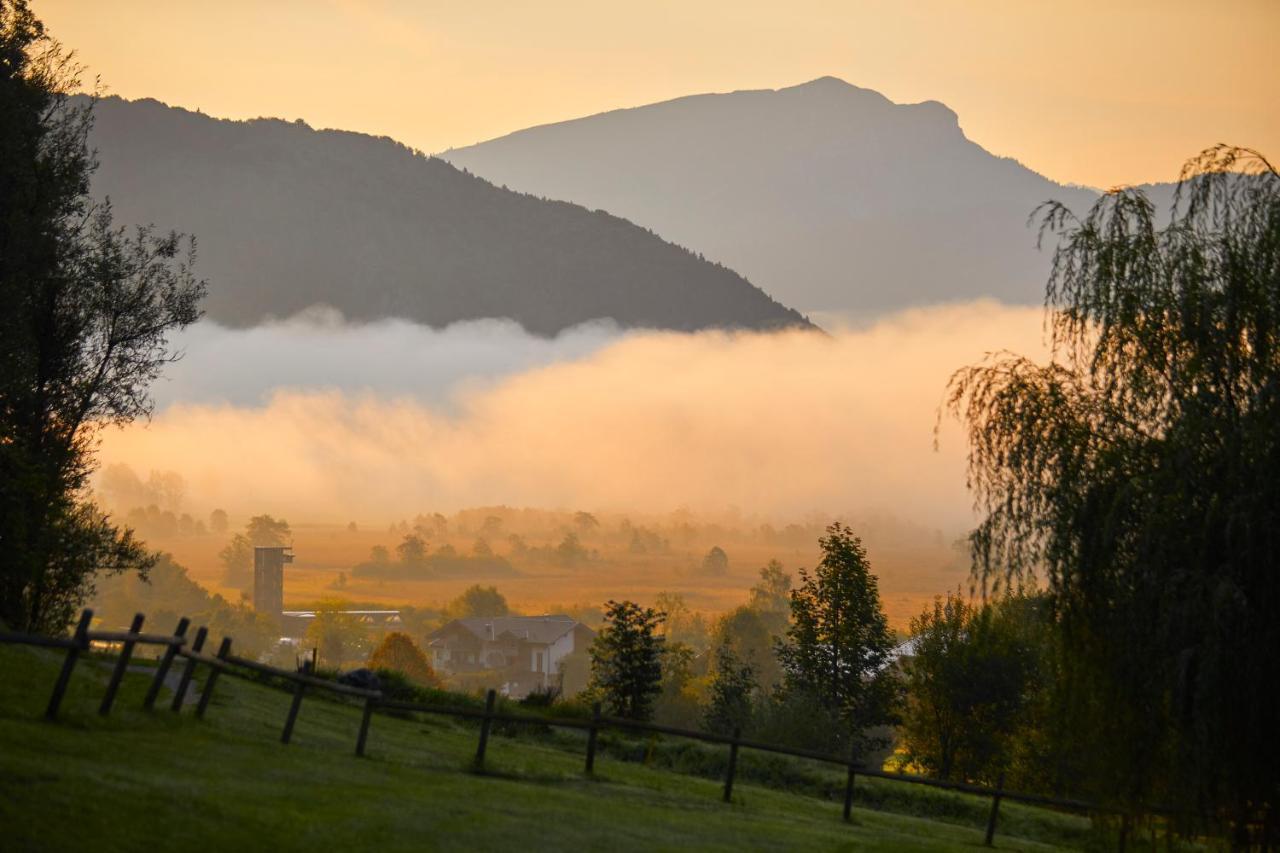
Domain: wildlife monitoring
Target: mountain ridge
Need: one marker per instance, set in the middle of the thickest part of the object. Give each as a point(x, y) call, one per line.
point(830, 196)
point(289, 217)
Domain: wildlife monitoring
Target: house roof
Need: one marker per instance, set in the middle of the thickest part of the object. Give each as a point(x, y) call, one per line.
point(534, 629)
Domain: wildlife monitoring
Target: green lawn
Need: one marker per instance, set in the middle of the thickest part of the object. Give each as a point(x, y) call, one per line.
point(156, 781)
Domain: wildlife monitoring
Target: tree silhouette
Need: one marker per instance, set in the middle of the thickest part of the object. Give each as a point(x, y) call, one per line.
point(85, 310)
point(1138, 473)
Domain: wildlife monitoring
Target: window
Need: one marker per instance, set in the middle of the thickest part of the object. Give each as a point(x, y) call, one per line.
point(537, 662)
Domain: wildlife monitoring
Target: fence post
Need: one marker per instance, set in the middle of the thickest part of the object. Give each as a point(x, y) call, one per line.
point(364, 725)
point(122, 664)
point(165, 662)
point(995, 812)
point(69, 664)
point(189, 670)
point(214, 672)
point(485, 722)
point(733, 766)
point(295, 705)
point(848, 786)
point(591, 738)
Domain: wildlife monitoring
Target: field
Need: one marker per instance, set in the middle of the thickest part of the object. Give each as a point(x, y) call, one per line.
point(139, 781)
point(912, 565)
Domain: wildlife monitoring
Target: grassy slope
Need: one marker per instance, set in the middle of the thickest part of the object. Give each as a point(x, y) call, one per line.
point(136, 781)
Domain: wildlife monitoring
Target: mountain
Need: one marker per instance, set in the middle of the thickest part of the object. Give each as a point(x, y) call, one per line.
point(287, 217)
point(829, 196)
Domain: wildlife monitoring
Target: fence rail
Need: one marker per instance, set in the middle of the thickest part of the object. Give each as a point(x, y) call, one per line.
point(176, 645)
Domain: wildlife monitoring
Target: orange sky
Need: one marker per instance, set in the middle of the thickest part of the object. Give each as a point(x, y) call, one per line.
point(1089, 92)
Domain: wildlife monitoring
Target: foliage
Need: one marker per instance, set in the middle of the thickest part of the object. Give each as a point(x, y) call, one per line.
point(1139, 472)
point(970, 672)
point(85, 311)
point(715, 562)
point(338, 637)
point(268, 532)
point(167, 594)
point(412, 549)
point(681, 624)
point(218, 522)
point(477, 600)
point(626, 660)
point(679, 700)
point(733, 688)
point(753, 630)
point(397, 651)
point(237, 562)
point(837, 648)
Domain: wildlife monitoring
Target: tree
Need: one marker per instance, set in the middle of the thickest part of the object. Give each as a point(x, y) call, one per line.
point(968, 677)
point(379, 555)
point(268, 532)
point(337, 636)
point(412, 550)
point(837, 648)
point(733, 688)
point(478, 600)
point(1138, 472)
point(237, 562)
point(218, 521)
point(771, 595)
point(398, 652)
point(716, 561)
point(681, 625)
point(626, 660)
point(677, 702)
point(570, 551)
point(85, 313)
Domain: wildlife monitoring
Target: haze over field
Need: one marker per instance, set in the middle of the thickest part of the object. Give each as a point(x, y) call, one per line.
point(779, 425)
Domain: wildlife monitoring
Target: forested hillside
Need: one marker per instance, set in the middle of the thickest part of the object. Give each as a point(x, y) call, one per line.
point(288, 217)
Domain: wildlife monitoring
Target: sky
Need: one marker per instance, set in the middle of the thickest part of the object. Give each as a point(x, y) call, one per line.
point(1094, 92)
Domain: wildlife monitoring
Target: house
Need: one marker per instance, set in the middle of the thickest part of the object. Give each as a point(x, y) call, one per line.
point(525, 651)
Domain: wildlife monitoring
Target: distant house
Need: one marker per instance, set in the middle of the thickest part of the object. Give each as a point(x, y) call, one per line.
point(526, 651)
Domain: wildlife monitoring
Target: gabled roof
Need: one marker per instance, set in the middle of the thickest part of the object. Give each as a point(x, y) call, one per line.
point(533, 629)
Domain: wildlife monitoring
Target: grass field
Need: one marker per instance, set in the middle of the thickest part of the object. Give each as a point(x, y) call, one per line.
point(142, 781)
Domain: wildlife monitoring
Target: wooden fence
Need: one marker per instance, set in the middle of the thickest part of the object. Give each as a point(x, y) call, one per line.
point(176, 645)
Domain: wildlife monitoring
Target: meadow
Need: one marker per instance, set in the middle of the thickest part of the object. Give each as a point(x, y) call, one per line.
point(155, 780)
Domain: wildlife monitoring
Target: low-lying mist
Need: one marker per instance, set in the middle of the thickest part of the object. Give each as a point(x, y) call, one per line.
point(318, 421)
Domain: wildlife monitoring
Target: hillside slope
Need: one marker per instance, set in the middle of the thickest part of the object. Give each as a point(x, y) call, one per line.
point(829, 196)
point(160, 781)
point(288, 217)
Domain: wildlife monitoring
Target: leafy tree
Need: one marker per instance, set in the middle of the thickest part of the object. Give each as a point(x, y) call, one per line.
point(626, 660)
point(412, 550)
point(268, 532)
point(218, 521)
point(771, 595)
point(237, 562)
point(681, 624)
point(716, 561)
point(570, 551)
point(677, 703)
point(1138, 472)
point(398, 652)
point(379, 555)
point(85, 312)
point(969, 676)
point(338, 637)
point(733, 689)
point(837, 648)
point(478, 600)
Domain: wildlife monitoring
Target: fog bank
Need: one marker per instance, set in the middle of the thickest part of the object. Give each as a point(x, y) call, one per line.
point(340, 423)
